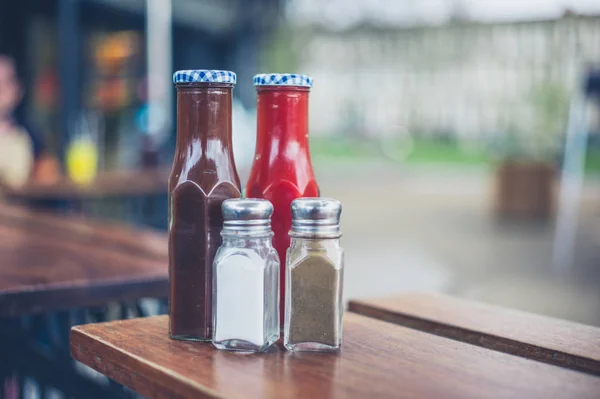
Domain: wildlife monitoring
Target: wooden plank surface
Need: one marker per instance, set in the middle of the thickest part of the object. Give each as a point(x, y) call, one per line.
point(117, 183)
point(558, 342)
point(49, 262)
point(377, 360)
point(113, 236)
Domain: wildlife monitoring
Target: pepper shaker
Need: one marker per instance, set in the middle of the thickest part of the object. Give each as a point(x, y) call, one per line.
point(314, 276)
point(246, 279)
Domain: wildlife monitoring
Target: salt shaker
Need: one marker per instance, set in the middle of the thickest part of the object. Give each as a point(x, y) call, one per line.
point(246, 279)
point(314, 276)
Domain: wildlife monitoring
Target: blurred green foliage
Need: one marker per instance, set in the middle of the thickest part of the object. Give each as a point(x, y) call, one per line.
point(547, 108)
point(416, 151)
point(592, 161)
point(419, 151)
point(278, 55)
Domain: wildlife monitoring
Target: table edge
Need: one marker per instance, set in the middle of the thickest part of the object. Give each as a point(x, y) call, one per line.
point(477, 338)
point(79, 339)
point(11, 304)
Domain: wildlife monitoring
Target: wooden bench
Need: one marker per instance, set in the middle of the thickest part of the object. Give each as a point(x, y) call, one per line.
point(540, 338)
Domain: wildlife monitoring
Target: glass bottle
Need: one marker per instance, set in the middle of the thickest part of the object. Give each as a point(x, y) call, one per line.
point(282, 169)
point(203, 176)
point(314, 275)
point(246, 279)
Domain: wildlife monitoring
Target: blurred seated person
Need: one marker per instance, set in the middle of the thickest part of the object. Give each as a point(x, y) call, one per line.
point(21, 150)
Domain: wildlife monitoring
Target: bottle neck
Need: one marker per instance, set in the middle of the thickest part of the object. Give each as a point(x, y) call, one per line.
point(247, 228)
point(247, 239)
point(282, 118)
point(204, 115)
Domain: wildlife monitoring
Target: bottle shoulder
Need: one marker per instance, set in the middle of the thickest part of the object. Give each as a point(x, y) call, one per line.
point(329, 251)
point(277, 184)
point(205, 188)
point(260, 257)
point(205, 168)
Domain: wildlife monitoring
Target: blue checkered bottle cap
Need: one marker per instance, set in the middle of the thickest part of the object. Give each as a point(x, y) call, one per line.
point(204, 76)
point(282, 79)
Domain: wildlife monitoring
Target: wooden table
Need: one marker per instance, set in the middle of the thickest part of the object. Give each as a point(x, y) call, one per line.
point(541, 338)
point(137, 197)
point(52, 271)
point(49, 263)
point(106, 184)
point(378, 359)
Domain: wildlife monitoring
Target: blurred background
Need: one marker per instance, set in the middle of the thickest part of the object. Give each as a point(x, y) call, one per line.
point(444, 126)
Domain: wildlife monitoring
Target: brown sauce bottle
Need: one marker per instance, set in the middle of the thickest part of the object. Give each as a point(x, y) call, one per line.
point(203, 176)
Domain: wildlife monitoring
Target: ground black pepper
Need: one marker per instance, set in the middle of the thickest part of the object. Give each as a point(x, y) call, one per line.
point(314, 299)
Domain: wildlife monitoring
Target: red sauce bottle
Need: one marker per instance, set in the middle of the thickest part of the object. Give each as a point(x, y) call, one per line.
point(282, 170)
point(203, 176)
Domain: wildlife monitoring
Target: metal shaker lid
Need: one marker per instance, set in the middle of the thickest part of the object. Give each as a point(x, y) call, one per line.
point(316, 217)
point(247, 215)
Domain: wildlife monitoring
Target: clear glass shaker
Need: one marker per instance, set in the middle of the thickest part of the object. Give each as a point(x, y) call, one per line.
point(314, 277)
point(246, 279)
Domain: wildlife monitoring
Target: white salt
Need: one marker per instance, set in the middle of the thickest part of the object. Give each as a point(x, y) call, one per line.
point(240, 296)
